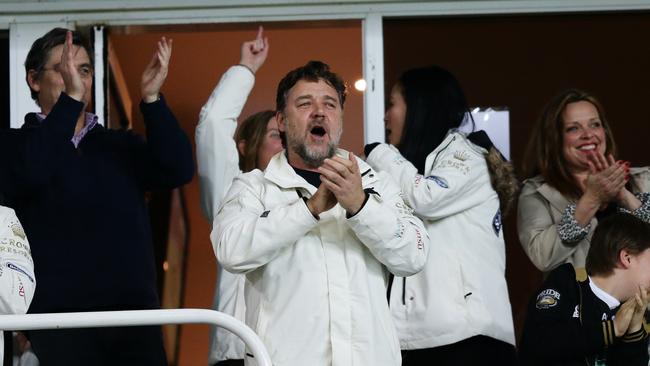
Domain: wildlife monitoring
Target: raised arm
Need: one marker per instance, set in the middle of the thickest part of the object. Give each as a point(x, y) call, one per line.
point(165, 160)
point(216, 151)
point(36, 148)
point(455, 183)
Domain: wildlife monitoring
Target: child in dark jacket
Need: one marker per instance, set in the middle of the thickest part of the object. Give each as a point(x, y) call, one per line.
point(598, 321)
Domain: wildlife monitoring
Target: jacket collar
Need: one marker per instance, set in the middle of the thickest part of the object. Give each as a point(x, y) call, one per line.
point(552, 195)
point(453, 135)
point(282, 174)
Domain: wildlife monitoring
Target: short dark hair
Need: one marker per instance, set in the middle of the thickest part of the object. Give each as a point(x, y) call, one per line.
point(252, 130)
point(40, 51)
point(312, 71)
point(435, 103)
point(613, 234)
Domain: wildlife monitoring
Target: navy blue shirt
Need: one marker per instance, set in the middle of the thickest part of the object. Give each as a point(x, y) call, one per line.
point(84, 209)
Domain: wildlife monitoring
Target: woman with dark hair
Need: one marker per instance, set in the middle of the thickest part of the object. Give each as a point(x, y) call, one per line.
point(220, 158)
point(456, 311)
point(574, 182)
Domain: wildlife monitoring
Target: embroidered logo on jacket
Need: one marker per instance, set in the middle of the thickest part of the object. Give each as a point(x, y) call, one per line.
point(17, 229)
point(454, 164)
point(576, 312)
point(461, 155)
point(547, 299)
point(442, 182)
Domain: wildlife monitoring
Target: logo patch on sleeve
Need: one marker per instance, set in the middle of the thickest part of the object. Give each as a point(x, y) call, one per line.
point(17, 229)
point(442, 182)
point(547, 299)
point(497, 224)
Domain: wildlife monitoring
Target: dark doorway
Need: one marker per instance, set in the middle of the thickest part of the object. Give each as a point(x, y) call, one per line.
point(4, 76)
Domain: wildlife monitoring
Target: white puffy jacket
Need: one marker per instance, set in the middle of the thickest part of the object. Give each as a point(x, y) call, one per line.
point(462, 291)
point(316, 288)
point(17, 281)
point(218, 164)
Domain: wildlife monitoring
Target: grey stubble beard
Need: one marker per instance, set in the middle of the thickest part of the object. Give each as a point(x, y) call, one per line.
point(312, 159)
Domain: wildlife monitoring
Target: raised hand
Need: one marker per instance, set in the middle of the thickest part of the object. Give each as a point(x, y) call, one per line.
point(253, 53)
point(641, 301)
point(618, 177)
point(74, 86)
point(342, 177)
point(624, 316)
point(606, 179)
point(155, 73)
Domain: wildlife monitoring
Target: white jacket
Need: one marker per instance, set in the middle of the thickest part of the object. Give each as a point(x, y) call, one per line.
point(462, 291)
point(17, 281)
point(316, 288)
point(218, 164)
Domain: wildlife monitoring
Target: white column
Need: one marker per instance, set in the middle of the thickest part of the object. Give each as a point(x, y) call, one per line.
point(373, 73)
point(98, 84)
point(21, 37)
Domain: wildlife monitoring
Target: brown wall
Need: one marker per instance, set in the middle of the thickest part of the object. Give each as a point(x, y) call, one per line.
point(521, 62)
point(201, 54)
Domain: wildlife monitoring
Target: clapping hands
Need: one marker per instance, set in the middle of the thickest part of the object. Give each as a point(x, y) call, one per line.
point(629, 317)
point(155, 73)
point(606, 179)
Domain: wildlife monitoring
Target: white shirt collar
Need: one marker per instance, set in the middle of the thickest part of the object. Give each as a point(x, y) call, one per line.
point(610, 300)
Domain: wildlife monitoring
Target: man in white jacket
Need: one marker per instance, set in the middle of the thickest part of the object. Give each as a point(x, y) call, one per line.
point(316, 234)
point(17, 281)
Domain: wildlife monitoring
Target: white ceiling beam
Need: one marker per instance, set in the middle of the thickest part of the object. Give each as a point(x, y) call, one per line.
point(120, 12)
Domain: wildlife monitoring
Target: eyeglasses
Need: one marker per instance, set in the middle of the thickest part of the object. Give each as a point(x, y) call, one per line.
point(85, 71)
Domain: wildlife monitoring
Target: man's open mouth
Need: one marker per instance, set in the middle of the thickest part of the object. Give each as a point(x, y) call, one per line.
point(318, 131)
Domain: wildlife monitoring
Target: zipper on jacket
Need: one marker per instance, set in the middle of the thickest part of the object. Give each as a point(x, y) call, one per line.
point(391, 277)
point(404, 291)
point(443, 149)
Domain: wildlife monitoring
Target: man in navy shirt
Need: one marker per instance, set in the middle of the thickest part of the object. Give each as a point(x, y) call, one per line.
point(78, 189)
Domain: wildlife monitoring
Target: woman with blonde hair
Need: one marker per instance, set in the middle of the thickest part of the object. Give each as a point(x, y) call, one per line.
point(574, 181)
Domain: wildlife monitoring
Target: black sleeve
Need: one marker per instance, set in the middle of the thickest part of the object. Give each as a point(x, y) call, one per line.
point(35, 150)
point(632, 350)
point(165, 160)
point(368, 148)
point(553, 331)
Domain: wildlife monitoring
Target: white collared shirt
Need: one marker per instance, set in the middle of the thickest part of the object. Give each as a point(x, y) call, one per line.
point(610, 300)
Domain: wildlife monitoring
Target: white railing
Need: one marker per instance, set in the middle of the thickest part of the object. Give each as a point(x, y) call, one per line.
point(139, 317)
